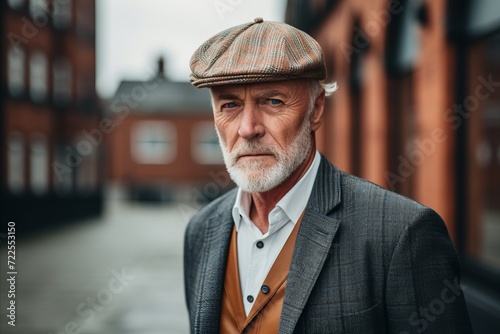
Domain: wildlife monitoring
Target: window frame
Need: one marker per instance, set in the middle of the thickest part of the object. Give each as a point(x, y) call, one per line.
point(39, 171)
point(38, 77)
point(143, 128)
point(199, 146)
point(16, 56)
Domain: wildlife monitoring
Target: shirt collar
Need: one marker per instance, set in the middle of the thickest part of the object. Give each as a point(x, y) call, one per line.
point(292, 204)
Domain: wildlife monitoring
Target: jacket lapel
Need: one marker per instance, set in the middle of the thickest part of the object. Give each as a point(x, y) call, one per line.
point(213, 267)
point(313, 243)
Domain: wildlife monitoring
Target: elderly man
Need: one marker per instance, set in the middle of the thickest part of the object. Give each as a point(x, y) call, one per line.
point(299, 246)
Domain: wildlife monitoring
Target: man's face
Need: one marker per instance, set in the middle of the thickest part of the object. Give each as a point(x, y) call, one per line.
point(264, 130)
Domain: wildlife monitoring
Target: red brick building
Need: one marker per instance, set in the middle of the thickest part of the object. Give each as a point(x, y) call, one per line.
point(49, 169)
point(165, 144)
point(418, 111)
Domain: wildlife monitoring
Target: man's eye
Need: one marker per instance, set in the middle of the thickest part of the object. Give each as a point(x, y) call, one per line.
point(274, 102)
point(229, 105)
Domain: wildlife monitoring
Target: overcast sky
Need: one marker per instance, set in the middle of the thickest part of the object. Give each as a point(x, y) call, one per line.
point(133, 34)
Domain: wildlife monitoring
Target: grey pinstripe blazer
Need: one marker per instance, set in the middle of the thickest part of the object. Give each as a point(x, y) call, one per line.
point(366, 260)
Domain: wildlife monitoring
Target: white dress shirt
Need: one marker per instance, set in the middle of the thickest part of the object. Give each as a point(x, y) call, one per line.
point(256, 251)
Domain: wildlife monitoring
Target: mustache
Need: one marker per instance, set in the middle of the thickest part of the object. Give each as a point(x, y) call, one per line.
point(253, 148)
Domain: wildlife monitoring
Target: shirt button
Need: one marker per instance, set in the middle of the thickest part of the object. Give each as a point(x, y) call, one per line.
point(265, 289)
point(250, 299)
point(260, 244)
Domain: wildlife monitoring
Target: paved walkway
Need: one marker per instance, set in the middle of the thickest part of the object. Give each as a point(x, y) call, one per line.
point(119, 273)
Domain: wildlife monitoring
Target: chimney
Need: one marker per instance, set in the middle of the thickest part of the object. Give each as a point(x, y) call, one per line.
point(161, 67)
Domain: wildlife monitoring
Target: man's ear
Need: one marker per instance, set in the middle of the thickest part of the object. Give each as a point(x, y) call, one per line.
point(317, 113)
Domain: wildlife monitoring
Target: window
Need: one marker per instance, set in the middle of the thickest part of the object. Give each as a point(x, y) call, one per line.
point(85, 20)
point(38, 10)
point(62, 14)
point(402, 52)
point(404, 36)
point(205, 144)
point(86, 172)
point(483, 156)
point(62, 81)
point(62, 167)
point(86, 177)
point(39, 165)
point(15, 162)
point(15, 71)
point(153, 142)
point(85, 93)
point(38, 77)
point(15, 4)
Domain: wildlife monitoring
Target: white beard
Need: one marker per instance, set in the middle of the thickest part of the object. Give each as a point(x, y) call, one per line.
point(255, 176)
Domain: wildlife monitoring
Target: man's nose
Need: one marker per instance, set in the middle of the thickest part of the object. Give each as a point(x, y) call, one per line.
point(251, 123)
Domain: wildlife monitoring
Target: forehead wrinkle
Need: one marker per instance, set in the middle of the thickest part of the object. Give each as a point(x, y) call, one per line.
point(227, 96)
point(271, 93)
point(258, 91)
point(228, 93)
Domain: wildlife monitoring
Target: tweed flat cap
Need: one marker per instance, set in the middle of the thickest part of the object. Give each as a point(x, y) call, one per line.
point(258, 51)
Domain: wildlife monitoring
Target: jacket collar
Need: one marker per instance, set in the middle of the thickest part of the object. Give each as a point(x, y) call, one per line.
point(313, 244)
point(326, 192)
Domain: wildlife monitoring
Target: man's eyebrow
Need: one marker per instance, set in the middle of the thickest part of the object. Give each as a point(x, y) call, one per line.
point(227, 96)
point(263, 95)
point(270, 93)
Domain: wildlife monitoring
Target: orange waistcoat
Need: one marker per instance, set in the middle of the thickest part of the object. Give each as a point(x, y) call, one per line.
point(264, 317)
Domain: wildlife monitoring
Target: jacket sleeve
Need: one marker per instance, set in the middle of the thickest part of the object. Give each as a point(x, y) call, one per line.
point(187, 268)
point(423, 293)
point(193, 243)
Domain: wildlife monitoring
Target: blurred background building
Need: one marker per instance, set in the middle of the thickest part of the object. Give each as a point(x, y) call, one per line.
point(165, 143)
point(50, 167)
point(418, 112)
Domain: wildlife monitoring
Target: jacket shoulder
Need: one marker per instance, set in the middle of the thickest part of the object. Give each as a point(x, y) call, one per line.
point(375, 203)
point(365, 187)
point(224, 202)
